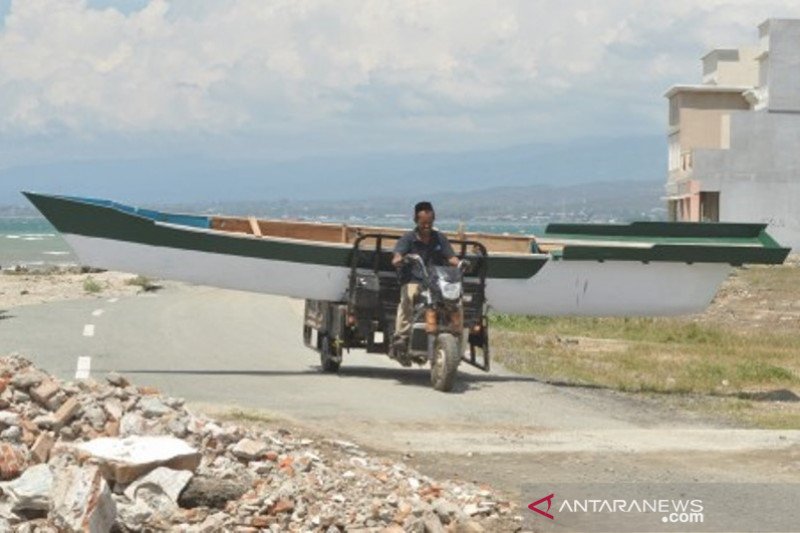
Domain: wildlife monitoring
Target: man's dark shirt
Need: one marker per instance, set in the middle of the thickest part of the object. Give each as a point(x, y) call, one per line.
point(437, 251)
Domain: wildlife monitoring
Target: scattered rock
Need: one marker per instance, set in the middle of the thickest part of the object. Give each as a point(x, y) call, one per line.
point(81, 500)
point(249, 449)
point(469, 526)
point(44, 392)
point(117, 380)
point(68, 410)
point(11, 434)
point(7, 418)
point(214, 493)
point(166, 480)
point(132, 424)
point(127, 459)
point(12, 460)
point(27, 378)
point(40, 451)
point(31, 491)
point(114, 408)
point(153, 407)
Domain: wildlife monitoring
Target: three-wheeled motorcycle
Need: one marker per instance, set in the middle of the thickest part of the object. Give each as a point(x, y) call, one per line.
point(449, 322)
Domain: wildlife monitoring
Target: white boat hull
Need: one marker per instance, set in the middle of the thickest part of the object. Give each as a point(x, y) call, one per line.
point(579, 288)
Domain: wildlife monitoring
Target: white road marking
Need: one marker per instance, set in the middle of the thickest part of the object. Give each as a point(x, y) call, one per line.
point(97, 312)
point(113, 300)
point(88, 330)
point(84, 367)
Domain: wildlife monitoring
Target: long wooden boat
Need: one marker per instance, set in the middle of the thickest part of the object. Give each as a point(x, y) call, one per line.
point(639, 269)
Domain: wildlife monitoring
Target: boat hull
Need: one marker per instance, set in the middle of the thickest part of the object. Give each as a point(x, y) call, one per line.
point(270, 276)
point(577, 288)
point(641, 269)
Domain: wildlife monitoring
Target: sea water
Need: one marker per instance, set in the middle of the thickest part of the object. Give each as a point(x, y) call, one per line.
point(32, 242)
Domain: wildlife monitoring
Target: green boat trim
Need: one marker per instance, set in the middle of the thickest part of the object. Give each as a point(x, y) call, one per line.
point(735, 244)
point(109, 220)
point(688, 242)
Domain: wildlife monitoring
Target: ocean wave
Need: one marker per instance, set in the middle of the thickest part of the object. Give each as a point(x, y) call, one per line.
point(30, 236)
point(54, 252)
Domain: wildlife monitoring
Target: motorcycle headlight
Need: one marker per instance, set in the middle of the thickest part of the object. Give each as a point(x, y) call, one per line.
point(450, 291)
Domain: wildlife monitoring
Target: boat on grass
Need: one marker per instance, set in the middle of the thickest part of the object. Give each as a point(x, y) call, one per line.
point(637, 269)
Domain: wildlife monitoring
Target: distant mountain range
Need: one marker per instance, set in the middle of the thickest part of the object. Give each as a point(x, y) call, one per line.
point(520, 174)
point(598, 202)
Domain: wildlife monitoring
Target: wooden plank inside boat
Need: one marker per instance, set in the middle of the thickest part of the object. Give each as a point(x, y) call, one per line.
point(255, 226)
point(345, 234)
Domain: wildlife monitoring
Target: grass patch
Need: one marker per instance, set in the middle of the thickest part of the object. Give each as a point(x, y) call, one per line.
point(91, 286)
point(747, 413)
point(677, 357)
point(143, 282)
point(648, 355)
point(240, 415)
point(629, 329)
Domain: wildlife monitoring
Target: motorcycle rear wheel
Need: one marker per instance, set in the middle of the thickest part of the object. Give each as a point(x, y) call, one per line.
point(329, 355)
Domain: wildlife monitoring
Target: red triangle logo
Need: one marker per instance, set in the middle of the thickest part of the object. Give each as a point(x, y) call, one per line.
point(549, 500)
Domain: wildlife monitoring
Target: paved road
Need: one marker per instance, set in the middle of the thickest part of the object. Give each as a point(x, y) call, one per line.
point(237, 349)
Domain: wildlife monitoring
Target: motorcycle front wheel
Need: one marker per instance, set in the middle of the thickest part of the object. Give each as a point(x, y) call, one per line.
point(445, 362)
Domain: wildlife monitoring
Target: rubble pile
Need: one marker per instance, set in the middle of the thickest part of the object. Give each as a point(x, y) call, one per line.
point(92, 456)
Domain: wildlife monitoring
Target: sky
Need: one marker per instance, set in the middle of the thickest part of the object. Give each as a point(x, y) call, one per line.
point(281, 79)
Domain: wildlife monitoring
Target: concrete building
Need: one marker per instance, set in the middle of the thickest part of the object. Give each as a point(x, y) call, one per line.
point(734, 139)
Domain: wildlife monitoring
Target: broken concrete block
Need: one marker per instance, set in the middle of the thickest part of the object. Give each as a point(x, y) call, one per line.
point(114, 408)
point(95, 416)
point(153, 407)
point(166, 480)
point(31, 491)
point(213, 493)
point(42, 393)
point(249, 449)
point(11, 434)
point(117, 380)
point(26, 379)
point(112, 428)
point(134, 515)
point(40, 451)
point(81, 500)
point(125, 460)
point(66, 413)
point(12, 461)
point(132, 424)
point(56, 400)
point(9, 418)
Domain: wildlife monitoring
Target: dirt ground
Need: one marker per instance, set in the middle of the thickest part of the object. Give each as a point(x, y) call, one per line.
point(19, 288)
point(765, 298)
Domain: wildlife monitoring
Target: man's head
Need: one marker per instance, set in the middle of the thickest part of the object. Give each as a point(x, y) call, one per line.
point(424, 217)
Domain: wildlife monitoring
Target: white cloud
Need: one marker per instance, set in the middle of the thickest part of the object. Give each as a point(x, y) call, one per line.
point(459, 71)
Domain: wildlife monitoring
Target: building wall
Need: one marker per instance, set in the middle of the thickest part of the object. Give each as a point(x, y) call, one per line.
point(751, 157)
point(783, 71)
point(732, 67)
point(701, 121)
point(759, 176)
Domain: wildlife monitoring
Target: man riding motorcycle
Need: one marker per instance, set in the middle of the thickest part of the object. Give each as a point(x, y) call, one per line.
point(434, 249)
